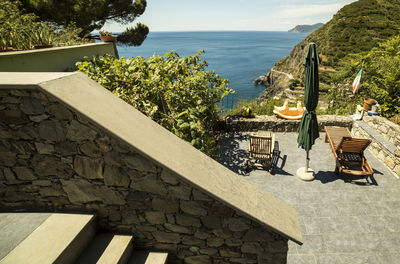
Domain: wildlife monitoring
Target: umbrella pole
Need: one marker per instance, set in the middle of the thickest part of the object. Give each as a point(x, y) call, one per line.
point(307, 161)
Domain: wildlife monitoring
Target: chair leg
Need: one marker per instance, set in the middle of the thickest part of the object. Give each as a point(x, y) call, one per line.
point(248, 166)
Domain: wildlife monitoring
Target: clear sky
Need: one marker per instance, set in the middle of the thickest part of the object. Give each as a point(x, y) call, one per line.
point(268, 15)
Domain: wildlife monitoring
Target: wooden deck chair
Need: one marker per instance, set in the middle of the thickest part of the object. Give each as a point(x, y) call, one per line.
point(261, 150)
point(348, 151)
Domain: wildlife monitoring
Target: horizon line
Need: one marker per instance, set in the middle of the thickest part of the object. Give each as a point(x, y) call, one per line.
point(183, 31)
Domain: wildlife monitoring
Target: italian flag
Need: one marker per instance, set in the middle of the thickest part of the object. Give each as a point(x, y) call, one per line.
point(357, 81)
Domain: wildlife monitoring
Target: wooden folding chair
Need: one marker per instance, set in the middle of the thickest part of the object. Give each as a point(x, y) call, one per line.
point(348, 151)
point(261, 150)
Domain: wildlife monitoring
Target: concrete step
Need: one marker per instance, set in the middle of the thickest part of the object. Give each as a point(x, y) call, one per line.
point(107, 248)
point(59, 239)
point(148, 257)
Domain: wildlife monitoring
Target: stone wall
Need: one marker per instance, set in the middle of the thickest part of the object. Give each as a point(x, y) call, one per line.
point(385, 137)
point(275, 124)
point(52, 158)
point(56, 59)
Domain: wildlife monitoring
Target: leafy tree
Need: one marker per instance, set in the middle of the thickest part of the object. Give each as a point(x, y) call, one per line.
point(381, 78)
point(90, 15)
point(176, 92)
point(22, 31)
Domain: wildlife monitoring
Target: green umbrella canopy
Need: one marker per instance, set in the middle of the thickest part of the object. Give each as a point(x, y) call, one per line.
point(308, 129)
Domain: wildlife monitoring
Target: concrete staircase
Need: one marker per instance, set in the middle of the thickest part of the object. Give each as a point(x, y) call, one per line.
point(65, 238)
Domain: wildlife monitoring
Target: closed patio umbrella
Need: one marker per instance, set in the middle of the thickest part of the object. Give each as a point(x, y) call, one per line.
point(308, 129)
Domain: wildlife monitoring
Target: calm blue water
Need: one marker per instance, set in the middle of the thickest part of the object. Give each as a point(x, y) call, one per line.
point(238, 56)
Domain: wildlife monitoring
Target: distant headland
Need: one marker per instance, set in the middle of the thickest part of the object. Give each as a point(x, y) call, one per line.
point(306, 28)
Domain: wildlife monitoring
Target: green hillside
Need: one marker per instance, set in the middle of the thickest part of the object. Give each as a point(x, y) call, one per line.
point(357, 27)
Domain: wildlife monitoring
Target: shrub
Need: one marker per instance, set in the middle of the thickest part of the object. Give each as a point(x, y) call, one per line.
point(380, 80)
point(294, 83)
point(23, 31)
point(258, 108)
point(395, 119)
point(176, 92)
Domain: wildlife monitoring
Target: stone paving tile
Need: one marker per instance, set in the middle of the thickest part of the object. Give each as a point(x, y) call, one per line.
point(325, 210)
point(352, 209)
point(301, 259)
point(380, 195)
point(347, 224)
point(330, 197)
point(369, 242)
point(359, 258)
point(302, 226)
point(373, 223)
point(392, 223)
point(341, 243)
point(390, 242)
point(355, 196)
point(306, 210)
point(394, 207)
point(328, 258)
point(341, 221)
point(388, 258)
point(318, 225)
point(312, 244)
point(379, 208)
point(292, 248)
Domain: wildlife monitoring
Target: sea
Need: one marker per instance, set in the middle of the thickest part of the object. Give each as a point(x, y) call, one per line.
point(240, 56)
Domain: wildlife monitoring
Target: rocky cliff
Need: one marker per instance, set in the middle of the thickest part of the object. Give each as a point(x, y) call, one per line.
point(357, 27)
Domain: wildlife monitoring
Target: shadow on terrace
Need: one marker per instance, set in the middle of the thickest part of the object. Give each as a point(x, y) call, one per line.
point(343, 218)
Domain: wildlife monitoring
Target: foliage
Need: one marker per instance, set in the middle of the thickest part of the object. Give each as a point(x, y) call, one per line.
point(396, 119)
point(68, 36)
point(14, 27)
point(90, 15)
point(356, 28)
point(294, 83)
point(22, 31)
point(134, 35)
point(342, 101)
point(380, 80)
point(324, 88)
point(176, 92)
point(258, 108)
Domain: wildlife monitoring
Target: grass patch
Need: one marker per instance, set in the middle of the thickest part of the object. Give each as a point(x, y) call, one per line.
point(258, 108)
point(266, 107)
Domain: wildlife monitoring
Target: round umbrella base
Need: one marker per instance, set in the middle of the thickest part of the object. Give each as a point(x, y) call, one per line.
point(304, 175)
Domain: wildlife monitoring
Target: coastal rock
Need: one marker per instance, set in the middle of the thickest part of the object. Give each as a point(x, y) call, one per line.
point(262, 80)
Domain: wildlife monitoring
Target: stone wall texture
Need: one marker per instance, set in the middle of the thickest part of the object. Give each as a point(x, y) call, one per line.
point(275, 124)
point(386, 150)
point(52, 158)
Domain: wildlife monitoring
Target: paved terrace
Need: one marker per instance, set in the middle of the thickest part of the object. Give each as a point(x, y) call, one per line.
point(343, 220)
